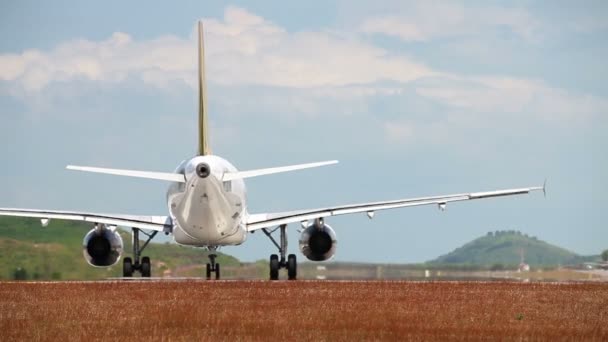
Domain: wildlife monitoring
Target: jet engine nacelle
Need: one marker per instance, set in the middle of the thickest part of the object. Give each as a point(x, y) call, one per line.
point(318, 241)
point(102, 247)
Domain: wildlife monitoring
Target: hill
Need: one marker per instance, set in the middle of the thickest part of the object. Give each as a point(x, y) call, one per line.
point(55, 252)
point(504, 248)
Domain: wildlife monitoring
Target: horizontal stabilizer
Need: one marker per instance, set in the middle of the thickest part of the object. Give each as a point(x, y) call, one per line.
point(228, 176)
point(171, 177)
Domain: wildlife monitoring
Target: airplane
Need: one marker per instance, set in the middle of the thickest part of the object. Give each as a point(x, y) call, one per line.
point(596, 265)
point(207, 208)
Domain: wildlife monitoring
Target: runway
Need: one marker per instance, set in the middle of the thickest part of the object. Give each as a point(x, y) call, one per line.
point(195, 309)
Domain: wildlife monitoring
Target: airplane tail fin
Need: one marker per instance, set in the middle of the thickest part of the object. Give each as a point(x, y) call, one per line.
point(203, 122)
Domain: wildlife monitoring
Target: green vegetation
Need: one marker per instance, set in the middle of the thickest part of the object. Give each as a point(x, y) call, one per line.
point(28, 251)
point(502, 249)
point(605, 255)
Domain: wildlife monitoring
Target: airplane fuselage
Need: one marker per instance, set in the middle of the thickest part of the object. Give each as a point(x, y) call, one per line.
point(205, 210)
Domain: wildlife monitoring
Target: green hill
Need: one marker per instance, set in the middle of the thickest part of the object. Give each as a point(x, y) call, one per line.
point(504, 248)
point(55, 252)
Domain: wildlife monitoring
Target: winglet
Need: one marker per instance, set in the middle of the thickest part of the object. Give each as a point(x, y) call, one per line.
point(545, 188)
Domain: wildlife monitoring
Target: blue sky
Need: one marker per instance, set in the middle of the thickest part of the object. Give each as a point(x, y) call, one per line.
point(413, 98)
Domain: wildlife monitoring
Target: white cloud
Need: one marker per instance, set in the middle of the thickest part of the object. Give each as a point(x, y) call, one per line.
point(500, 95)
point(111, 60)
point(323, 71)
point(423, 21)
point(241, 49)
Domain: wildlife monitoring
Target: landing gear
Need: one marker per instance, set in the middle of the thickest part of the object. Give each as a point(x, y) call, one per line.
point(212, 266)
point(144, 267)
point(275, 263)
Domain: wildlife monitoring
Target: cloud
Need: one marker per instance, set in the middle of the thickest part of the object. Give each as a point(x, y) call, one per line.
point(112, 60)
point(241, 49)
point(308, 72)
point(424, 21)
point(507, 95)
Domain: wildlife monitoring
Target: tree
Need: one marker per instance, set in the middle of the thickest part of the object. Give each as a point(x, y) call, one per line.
point(497, 267)
point(20, 274)
point(605, 255)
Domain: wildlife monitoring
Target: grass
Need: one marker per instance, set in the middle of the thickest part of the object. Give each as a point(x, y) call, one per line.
point(57, 249)
point(302, 310)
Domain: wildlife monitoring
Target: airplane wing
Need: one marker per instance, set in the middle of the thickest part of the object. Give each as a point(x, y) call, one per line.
point(158, 223)
point(259, 221)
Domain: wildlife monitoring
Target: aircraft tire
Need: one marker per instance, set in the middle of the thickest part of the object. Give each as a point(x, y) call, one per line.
point(127, 267)
point(217, 271)
point(146, 267)
point(208, 271)
point(274, 267)
point(292, 267)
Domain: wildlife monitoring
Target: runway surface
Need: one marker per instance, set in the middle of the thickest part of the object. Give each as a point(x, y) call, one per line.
point(187, 309)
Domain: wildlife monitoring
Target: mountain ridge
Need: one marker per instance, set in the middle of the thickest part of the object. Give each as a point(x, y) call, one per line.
point(507, 248)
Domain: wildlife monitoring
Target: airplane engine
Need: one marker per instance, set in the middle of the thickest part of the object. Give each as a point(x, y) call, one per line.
point(318, 241)
point(102, 247)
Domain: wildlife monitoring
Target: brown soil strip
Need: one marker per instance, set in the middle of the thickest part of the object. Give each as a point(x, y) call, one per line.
point(302, 310)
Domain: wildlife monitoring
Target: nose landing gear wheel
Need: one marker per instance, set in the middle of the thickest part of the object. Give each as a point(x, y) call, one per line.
point(212, 267)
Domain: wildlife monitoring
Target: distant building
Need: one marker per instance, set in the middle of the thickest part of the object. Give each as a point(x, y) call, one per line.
point(523, 267)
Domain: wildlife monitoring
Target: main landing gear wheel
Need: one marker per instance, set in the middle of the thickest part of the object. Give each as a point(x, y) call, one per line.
point(274, 267)
point(145, 266)
point(213, 267)
point(127, 267)
point(277, 263)
point(292, 267)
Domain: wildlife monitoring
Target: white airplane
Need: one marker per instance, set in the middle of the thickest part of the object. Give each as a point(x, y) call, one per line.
point(207, 208)
point(597, 265)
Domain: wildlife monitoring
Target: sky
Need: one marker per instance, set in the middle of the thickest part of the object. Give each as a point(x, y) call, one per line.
point(414, 98)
